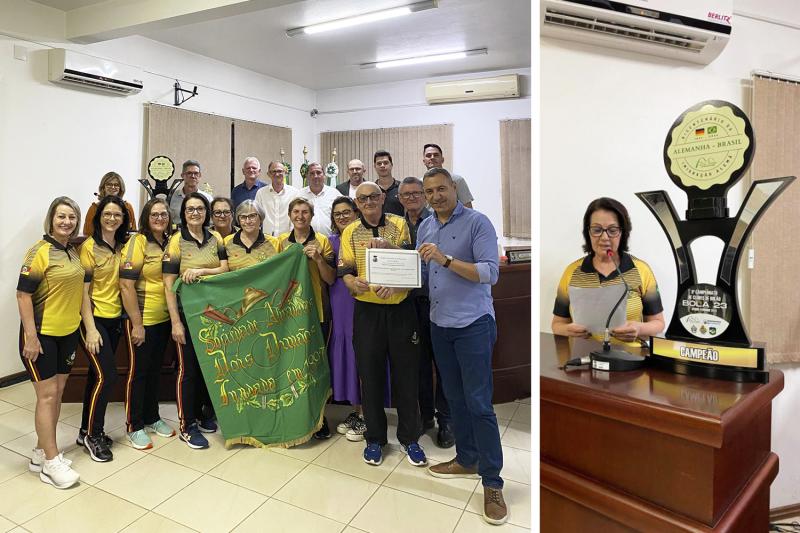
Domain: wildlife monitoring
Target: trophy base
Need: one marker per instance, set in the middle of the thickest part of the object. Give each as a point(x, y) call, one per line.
point(730, 362)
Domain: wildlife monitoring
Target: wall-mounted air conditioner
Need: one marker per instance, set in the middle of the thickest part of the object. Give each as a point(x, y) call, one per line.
point(441, 92)
point(81, 70)
point(685, 30)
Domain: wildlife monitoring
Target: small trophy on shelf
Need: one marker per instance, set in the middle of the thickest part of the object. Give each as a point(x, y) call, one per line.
point(304, 166)
point(287, 166)
point(332, 170)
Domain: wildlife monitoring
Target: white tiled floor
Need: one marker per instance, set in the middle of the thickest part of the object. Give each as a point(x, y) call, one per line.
point(322, 486)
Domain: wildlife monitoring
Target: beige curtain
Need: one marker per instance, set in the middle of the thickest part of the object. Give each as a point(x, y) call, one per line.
point(263, 142)
point(774, 291)
point(181, 135)
point(405, 145)
point(515, 170)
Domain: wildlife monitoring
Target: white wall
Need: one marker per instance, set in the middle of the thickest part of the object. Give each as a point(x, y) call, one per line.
point(605, 116)
point(59, 141)
point(476, 129)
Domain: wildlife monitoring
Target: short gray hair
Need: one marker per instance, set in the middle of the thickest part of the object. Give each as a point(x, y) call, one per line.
point(250, 205)
point(51, 212)
point(251, 158)
point(190, 163)
point(436, 171)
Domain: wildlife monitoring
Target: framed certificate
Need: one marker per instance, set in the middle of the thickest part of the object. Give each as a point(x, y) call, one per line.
point(394, 268)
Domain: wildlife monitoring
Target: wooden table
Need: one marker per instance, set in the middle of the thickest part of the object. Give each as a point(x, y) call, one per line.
point(651, 451)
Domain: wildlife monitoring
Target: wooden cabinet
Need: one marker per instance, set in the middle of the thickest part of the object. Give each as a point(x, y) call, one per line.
point(648, 450)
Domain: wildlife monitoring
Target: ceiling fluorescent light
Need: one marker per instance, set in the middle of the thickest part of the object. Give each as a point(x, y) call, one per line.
point(425, 59)
point(362, 19)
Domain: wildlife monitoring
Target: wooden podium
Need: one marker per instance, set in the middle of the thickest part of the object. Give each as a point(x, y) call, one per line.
point(651, 451)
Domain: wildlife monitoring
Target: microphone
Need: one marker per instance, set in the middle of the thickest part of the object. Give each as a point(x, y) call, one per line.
point(608, 359)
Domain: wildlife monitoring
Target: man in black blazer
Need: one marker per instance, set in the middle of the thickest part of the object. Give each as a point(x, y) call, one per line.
point(355, 171)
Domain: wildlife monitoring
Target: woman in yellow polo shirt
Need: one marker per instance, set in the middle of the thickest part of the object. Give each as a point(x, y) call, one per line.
point(606, 229)
point(49, 294)
point(192, 252)
point(249, 245)
point(101, 311)
point(321, 262)
point(147, 327)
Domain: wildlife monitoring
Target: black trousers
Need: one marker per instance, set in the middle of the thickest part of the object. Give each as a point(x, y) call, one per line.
point(192, 395)
point(378, 330)
point(432, 401)
point(144, 371)
point(102, 374)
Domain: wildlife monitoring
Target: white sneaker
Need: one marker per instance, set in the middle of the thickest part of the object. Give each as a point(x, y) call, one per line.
point(38, 458)
point(58, 473)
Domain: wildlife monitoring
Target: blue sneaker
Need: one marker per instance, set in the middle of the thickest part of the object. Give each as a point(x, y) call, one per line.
point(207, 426)
point(373, 454)
point(193, 438)
point(415, 453)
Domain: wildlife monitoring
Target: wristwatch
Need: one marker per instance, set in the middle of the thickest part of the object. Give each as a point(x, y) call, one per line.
point(449, 260)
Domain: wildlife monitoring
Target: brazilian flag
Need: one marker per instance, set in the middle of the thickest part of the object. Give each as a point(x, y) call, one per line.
point(258, 340)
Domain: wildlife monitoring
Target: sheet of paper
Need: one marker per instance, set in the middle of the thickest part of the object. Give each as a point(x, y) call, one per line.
point(590, 306)
point(393, 268)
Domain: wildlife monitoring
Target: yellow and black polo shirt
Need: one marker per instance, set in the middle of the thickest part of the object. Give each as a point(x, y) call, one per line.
point(325, 248)
point(185, 252)
point(353, 250)
point(141, 262)
point(240, 256)
point(101, 263)
point(52, 274)
point(643, 298)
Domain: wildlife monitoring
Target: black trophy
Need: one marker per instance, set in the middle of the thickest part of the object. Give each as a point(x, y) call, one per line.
point(161, 169)
point(708, 149)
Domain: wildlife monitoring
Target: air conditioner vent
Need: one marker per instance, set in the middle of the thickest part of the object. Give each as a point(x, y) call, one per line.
point(626, 31)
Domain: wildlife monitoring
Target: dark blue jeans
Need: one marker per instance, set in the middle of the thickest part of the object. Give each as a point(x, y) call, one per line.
point(464, 358)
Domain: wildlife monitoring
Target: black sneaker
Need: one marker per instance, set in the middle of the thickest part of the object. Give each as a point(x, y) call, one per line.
point(97, 448)
point(109, 442)
point(324, 432)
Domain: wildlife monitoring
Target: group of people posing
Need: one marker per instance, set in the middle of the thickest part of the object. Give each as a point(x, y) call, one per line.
point(117, 285)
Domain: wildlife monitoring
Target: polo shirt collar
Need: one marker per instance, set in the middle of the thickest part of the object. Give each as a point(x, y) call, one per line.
point(237, 239)
point(57, 244)
point(625, 264)
point(98, 238)
point(151, 238)
point(189, 237)
point(311, 237)
point(425, 213)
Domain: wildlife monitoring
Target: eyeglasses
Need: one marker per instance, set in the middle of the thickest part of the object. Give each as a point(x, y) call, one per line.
point(250, 217)
point(192, 174)
point(109, 216)
point(113, 185)
point(343, 214)
point(410, 195)
point(277, 172)
point(611, 231)
point(373, 197)
point(199, 209)
point(222, 213)
point(157, 216)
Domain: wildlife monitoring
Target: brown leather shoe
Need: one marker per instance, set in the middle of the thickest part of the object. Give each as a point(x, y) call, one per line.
point(451, 469)
point(494, 507)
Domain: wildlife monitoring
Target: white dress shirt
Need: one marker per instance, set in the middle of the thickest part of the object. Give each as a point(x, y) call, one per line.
point(323, 205)
point(276, 208)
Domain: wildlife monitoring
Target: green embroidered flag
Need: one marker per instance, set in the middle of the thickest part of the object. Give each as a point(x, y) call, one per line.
point(258, 341)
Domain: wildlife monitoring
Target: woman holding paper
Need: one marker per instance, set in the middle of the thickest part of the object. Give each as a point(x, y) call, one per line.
point(606, 229)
